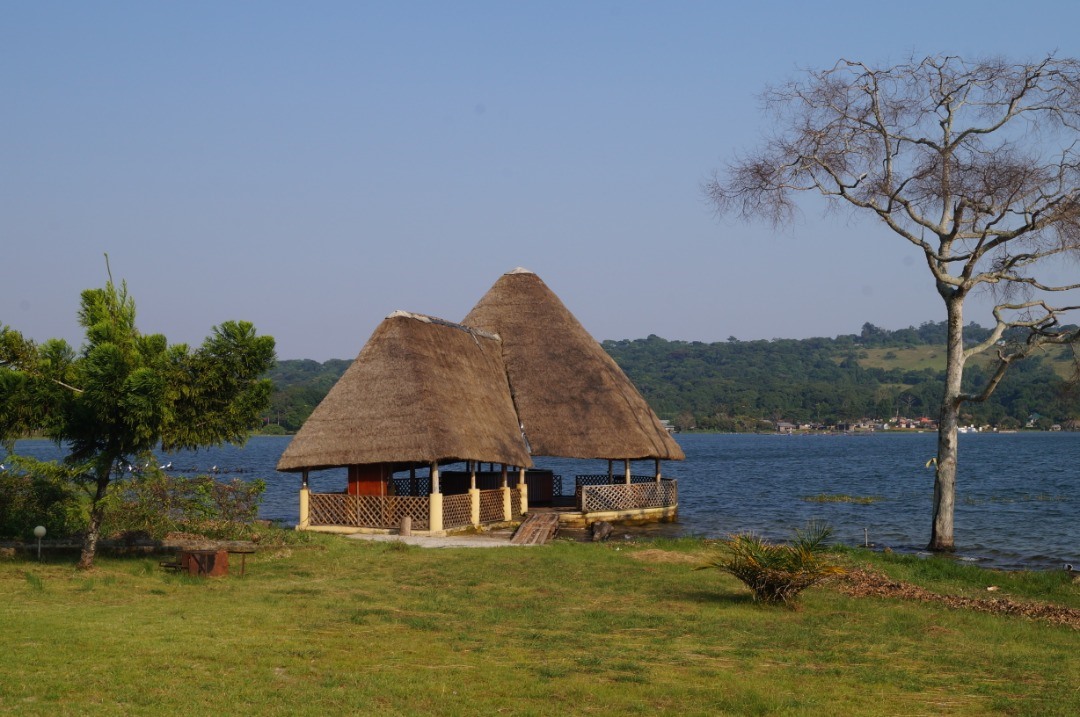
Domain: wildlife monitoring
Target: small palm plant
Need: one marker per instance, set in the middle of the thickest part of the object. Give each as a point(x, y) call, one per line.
point(776, 574)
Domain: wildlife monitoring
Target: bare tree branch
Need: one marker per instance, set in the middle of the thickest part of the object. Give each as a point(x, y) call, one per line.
point(975, 163)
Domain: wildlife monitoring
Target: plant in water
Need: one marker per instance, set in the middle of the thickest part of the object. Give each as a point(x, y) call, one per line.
point(777, 573)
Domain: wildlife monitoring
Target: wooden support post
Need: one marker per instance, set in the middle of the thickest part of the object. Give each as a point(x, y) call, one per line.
point(626, 465)
point(474, 495)
point(305, 503)
point(508, 510)
point(610, 472)
point(524, 490)
point(657, 469)
point(435, 523)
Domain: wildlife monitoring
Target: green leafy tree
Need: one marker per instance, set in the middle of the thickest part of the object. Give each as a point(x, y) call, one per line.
point(976, 165)
point(124, 393)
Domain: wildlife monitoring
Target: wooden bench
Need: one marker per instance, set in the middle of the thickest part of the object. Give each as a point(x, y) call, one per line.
point(213, 562)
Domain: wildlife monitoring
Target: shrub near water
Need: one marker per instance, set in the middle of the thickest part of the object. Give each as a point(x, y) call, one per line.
point(33, 493)
point(776, 574)
point(155, 504)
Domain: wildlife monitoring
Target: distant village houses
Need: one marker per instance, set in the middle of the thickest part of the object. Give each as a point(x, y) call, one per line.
point(923, 423)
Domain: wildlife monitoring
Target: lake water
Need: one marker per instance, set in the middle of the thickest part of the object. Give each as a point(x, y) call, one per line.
point(1017, 494)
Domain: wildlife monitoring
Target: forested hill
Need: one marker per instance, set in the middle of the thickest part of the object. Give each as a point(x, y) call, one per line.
point(735, 385)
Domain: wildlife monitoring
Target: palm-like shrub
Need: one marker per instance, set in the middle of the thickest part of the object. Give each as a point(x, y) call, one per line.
point(777, 573)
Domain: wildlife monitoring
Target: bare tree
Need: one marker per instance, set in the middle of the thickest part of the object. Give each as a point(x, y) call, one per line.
point(976, 164)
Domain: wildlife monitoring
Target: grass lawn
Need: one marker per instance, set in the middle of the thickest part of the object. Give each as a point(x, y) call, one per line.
point(331, 626)
point(918, 358)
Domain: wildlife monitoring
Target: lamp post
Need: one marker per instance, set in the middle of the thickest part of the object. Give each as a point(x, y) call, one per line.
point(39, 533)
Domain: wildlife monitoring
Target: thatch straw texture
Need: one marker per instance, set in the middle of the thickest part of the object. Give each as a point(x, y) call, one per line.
point(573, 400)
point(421, 390)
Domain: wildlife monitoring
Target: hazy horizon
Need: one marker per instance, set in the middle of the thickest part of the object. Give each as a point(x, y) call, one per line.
point(313, 169)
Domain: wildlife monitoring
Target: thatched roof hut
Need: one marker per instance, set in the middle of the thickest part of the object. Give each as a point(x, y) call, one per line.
point(572, 399)
point(421, 390)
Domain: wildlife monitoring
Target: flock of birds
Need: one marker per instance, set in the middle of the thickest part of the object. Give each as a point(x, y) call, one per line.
point(133, 468)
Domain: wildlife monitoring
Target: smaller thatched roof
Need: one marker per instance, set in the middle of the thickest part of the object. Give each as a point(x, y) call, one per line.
point(421, 390)
point(572, 398)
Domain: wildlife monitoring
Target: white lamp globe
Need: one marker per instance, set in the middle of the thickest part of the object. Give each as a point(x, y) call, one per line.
point(39, 532)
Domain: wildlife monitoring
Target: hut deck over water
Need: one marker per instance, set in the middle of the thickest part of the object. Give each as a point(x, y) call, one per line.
point(520, 377)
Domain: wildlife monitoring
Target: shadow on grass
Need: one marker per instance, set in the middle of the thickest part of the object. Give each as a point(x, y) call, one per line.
point(715, 597)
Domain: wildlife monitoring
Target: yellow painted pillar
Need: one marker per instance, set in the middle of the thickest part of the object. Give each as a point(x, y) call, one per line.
point(474, 505)
point(305, 504)
point(508, 509)
point(474, 496)
point(435, 501)
point(524, 490)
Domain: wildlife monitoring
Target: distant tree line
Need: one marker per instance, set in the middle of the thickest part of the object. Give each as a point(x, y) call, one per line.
point(740, 385)
point(750, 385)
point(299, 385)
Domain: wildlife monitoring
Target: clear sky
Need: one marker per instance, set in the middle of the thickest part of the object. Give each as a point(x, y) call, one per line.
point(311, 167)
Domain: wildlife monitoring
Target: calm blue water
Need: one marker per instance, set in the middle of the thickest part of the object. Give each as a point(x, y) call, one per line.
point(1017, 499)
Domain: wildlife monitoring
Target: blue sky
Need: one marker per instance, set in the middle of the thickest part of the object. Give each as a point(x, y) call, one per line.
point(311, 167)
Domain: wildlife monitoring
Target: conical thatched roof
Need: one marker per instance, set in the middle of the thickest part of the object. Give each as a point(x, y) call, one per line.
point(573, 400)
point(421, 390)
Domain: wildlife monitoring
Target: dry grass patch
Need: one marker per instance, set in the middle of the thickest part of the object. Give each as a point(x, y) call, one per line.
point(869, 583)
point(655, 555)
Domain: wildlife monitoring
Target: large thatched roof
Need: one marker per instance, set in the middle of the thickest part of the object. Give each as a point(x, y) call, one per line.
point(573, 400)
point(421, 390)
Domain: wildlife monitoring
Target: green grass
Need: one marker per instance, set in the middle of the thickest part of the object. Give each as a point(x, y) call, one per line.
point(334, 626)
point(949, 576)
point(918, 358)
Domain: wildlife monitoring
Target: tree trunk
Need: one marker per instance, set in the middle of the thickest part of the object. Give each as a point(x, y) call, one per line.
point(941, 532)
point(93, 529)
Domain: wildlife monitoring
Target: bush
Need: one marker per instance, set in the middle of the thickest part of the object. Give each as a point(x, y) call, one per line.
point(36, 493)
point(776, 574)
point(156, 504)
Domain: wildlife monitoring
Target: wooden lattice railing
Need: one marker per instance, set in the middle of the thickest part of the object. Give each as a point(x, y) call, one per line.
point(368, 511)
point(605, 479)
point(605, 498)
point(456, 510)
point(515, 503)
point(491, 506)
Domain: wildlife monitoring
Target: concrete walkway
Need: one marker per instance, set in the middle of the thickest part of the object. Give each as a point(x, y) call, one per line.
point(490, 540)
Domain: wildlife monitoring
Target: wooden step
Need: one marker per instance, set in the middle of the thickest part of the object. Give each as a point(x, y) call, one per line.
point(536, 529)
